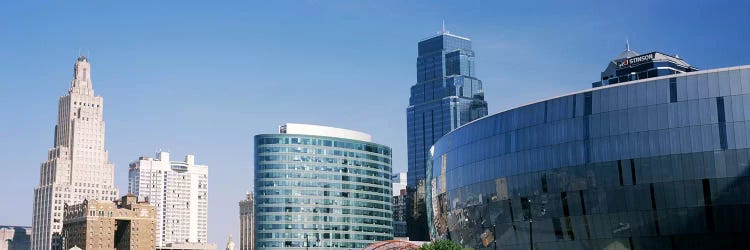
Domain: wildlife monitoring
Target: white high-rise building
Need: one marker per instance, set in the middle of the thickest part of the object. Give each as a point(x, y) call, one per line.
point(179, 190)
point(78, 166)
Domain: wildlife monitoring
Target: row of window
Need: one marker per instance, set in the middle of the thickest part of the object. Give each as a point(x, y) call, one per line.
point(322, 227)
point(309, 140)
point(261, 159)
point(260, 185)
point(323, 168)
point(323, 151)
point(310, 201)
point(323, 193)
point(324, 210)
point(324, 219)
point(323, 176)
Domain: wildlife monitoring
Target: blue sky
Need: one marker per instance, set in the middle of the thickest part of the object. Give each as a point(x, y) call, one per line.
point(204, 77)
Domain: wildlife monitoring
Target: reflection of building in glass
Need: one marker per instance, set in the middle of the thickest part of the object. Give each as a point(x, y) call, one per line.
point(322, 188)
point(123, 224)
point(15, 238)
point(448, 94)
point(657, 163)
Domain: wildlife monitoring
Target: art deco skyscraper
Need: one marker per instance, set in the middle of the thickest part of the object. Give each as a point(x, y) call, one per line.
point(78, 166)
point(446, 96)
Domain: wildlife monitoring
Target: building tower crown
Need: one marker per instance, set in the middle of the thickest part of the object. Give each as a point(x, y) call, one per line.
point(81, 83)
point(627, 53)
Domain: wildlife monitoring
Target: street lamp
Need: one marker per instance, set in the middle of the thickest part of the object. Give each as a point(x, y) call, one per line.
point(526, 203)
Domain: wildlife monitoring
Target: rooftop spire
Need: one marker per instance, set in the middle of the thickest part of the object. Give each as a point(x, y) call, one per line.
point(627, 53)
point(443, 31)
point(627, 44)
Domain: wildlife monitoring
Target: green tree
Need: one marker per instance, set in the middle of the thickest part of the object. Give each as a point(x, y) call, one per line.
point(443, 244)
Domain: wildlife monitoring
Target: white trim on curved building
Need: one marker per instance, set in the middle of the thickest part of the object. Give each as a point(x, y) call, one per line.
point(309, 129)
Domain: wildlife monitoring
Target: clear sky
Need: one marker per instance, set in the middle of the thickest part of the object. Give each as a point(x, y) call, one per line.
point(204, 77)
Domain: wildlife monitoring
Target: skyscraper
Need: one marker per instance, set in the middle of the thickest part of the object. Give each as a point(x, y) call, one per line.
point(78, 166)
point(179, 190)
point(247, 223)
point(320, 187)
point(446, 96)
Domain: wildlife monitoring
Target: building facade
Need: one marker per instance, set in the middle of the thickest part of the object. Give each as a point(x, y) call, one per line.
point(179, 191)
point(320, 187)
point(78, 166)
point(125, 224)
point(247, 223)
point(15, 238)
point(399, 215)
point(657, 163)
point(447, 95)
point(398, 181)
point(630, 65)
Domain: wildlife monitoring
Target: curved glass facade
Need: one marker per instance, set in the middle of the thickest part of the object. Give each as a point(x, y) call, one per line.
point(652, 164)
point(321, 192)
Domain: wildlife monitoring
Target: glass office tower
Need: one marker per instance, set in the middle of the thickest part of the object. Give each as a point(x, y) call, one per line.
point(629, 66)
point(446, 96)
point(321, 188)
point(657, 163)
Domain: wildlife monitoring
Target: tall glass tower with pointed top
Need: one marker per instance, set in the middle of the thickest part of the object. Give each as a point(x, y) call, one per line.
point(447, 95)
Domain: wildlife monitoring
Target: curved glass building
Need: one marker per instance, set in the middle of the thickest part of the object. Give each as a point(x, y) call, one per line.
point(656, 163)
point(321, 188)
